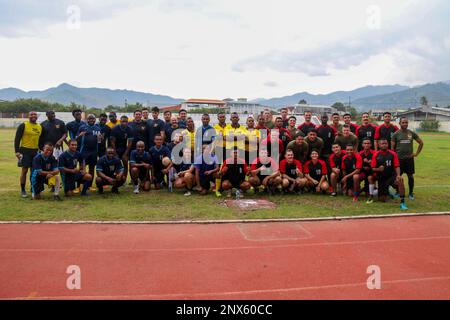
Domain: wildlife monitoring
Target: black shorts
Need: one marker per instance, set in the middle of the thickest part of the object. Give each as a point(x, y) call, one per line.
point(407, 166)
point(384, 183)
point(158, 175)
point(234, 180)
point(205, 181)
point(106, 182)
point(27, 157)
point(89, 158)
point(69, 181)
point(143, 174)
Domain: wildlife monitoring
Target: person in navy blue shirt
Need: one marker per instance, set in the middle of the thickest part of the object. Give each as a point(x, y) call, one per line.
point(140, 129)
point(89, 136)
point(44, 168)
point(183, 171)
point(73, 126)
point(110, 171)
point(73, 170)
point(156, 127)
point(121, 141)
point(140, 165)
point(106, 134)
point(160, 155)
point(206, 170)
point(205, 134)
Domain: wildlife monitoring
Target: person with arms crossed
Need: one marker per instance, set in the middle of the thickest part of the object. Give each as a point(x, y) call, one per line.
point(26, 146)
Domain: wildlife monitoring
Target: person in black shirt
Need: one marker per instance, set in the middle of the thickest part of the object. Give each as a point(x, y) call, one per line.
point(156, 127)
point(106, 134)
point(140, 129)
point(55, 132)
point(327, 134)
point(74, 126)
point(121, 141)
point(110, 171)
point(365, 131)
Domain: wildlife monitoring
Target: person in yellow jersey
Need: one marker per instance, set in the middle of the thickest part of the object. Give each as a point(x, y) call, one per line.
point(235, 135)
point(252, 140)
point(26, 145)
point(220, 147)
point(189, 134)
point(113, 121)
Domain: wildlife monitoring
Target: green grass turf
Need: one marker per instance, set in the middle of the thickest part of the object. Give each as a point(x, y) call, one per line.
point(432, 194)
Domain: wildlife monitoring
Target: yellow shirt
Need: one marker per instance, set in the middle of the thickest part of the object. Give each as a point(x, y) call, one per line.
point(112, 125)
point(31, 134)
point(220, 131)
point(253, 137)
point(236, 132)
point(189, 136)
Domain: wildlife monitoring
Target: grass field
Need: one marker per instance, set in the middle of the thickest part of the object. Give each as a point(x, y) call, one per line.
point(432, 194)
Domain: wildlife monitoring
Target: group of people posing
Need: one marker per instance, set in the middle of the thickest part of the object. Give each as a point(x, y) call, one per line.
point(267, 154)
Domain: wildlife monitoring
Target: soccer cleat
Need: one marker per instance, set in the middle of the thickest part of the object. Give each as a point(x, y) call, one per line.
point(136, 189)
point(403, 206)
point(23, 194)
point(369, 201)
point(218, 194)
point(76, 191)
point(411, 196)
point(57, 198)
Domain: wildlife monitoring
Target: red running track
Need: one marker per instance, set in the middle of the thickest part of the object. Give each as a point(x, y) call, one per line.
point(290, 260)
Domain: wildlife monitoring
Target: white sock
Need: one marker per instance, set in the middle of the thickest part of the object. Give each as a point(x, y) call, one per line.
point(371, 189)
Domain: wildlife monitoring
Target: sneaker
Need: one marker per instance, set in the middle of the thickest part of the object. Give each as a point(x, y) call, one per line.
point(218, 194)
point(369, 201)
point(57, 198)
point(403, 206)
point(136, 189)
point(76, 191)
point(411, 196)
point(36, 197)
point(333, 194)
point(187, 193)
point(23, 194)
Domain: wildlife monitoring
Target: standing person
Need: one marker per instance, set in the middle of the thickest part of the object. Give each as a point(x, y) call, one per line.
point(145, 113)
point(26, 145)
point(268, 119)
point(348, 121)
point(207, 171)
point(73, 126)
point(55, 132)
point(292, 173)
point(110, 171)
point(386, 165)
point(336, 124)
point(346, 138)
point(351, 168)
point(367, 174)
point(292, 128)
point(167, 115)
point(307, 126)
point(233, 172)
point(220, 128)
point(314, 142)
point(89, 136)
point(156, 127)
point(113, 121)
point(121, 142)
point(365, 131)
point(205, 134)
point(182, 115)
point(272, 141)
point(235, 134)
point(44, 168)
point(300, 148)
point(385, 131)
point(335, 165)
point(106, 134)
point(168, 132)
point(140, 166)
point(284, 134)
point(160, 155)
point(140, 129)
point(402, 144)
point(73, 170)
point(284, 117)
point(262, 124)
point(315, 171)
point(252, 141)
point(188, 134)
point(327, 133)
point(265, 173)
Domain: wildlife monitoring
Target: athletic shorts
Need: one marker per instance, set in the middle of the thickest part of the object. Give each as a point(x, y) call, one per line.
point(234, 180)
point(407, 166)
point(27, 159)
point(37, 183)
point(158, 175)
point(105, 182)
point(383, 185)
point(143, 174)
point(89, 159)
point(205, 181)
point(70, 180)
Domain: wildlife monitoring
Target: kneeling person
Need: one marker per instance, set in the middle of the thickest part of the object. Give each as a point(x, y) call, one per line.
point(110, 171)
point(265, 172)
point(44, 168)
point(351, 168)
point(316, 172)
point(291, 172)
point(73, 170)
point(140, 165)
point(183, 176)
point(233, 173)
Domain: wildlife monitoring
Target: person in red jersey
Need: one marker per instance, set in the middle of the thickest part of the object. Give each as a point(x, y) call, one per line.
point(386, 165)
point(265, 173)
point(233, 172)
point(385, 131)
point(335, 165)
point(366, 174)
point(307, 126)
point(315, 171)
point(365, 131)
point(348, 121)
point(292, 173)
point(351, 168)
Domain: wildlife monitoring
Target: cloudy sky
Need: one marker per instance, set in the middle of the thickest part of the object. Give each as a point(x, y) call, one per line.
point(223, 48)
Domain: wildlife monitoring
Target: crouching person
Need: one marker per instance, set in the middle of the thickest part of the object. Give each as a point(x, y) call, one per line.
point(110, 171)
point(140, 165)
point(316, 172)
point(183, 174)
point(233, 172)
point(73, 170)
point(292, 173)
point(44, 170)
point(265, 173)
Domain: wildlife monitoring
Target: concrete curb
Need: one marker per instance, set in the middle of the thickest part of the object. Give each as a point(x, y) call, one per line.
point(394, 215)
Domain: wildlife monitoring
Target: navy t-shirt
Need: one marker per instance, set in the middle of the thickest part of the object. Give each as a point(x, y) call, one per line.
point(122, 136)
point(158, 154)
point(41, 163)
point(109, 166)
point(139, 158)
point(154, 127)
point(69, 160)
point(89, 142)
